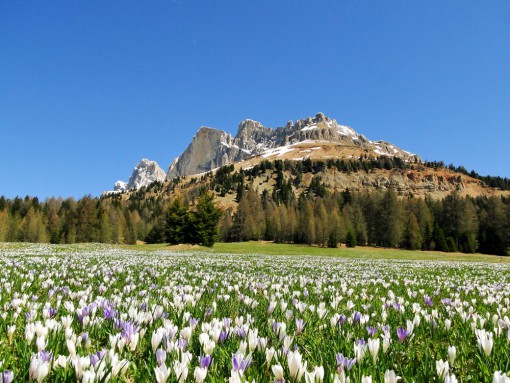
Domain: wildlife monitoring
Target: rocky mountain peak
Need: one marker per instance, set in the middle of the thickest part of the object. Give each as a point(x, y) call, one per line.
point(144, 173)
point(212, 148)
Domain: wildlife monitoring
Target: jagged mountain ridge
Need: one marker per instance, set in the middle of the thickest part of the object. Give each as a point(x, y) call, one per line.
point(319, 139)
point(144, 173)
point(212, 148)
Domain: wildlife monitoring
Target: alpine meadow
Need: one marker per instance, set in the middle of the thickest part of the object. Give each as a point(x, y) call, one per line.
point(255, 192)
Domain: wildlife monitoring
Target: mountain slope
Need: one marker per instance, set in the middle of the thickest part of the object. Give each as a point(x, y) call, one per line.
point(211, 148)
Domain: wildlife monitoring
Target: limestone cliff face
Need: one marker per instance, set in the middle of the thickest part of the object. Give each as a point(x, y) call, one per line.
point(211, 148)
point(144, 173)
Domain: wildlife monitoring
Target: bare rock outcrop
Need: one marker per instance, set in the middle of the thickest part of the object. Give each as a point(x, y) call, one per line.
point(211, 148)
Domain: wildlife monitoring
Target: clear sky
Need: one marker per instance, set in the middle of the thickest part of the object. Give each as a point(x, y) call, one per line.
point(88, 88)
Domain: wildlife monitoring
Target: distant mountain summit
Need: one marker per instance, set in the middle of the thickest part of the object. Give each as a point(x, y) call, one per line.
point(144, 173)
point(212, 148)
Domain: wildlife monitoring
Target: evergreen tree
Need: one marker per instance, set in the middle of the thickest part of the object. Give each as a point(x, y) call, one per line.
point(249, 219)
point(157, 234)
point(204, 221)
point(350, 240)
point(4, 224)
point(413, 237)
point(177, 223)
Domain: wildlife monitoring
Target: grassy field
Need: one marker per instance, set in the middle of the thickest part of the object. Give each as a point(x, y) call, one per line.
point(271, 248)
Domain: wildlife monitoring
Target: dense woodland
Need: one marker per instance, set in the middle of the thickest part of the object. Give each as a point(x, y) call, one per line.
point(315, 215)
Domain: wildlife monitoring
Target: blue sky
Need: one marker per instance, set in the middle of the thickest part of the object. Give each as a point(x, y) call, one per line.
point(89, 88)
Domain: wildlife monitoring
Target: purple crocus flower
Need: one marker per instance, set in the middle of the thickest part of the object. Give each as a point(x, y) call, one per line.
point(356, 317)
point(128, 329)
point(428, 300)
point(402, 334)
point(182, 344)
point(241, 332)
point(45, 355)
point(223, 336)
point(372, 331)
point(226, 322)
point(7, 376)
point(84, 313)
point(109, 313)
point(52, 312)
point(205, 361)
point(341, 320)
point(97, 357)
point(193, 322)
point(446, 301)
point(239, 363)
point(208, 313)
point(396, 306)
point(344, 362)
point(160, 356)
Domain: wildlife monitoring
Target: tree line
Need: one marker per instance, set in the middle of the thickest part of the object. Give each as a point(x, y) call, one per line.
point(383, 219)
point(283, 212)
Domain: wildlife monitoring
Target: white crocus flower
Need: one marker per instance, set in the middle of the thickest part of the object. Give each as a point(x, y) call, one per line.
point(277, 372)
point(342, 378)
point(310, 377)
point(485, 341)
point(373, 347)
point(391, 377)
point(88, 376)
point(200, 374)
point(499, 377)
point(442, 368)
point(162, 373)
point(270, 354)
point(296, 367)
point(156, 338)
point(319, 374)
point(71, 347)
point(450, 379)
point(181, 371)
point(452, 353)
point(209, 346)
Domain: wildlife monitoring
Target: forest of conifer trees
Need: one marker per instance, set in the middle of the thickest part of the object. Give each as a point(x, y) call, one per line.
point(315, 216)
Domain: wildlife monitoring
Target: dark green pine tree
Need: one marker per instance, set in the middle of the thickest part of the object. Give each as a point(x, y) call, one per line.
point(204, 221)
point(177, 221)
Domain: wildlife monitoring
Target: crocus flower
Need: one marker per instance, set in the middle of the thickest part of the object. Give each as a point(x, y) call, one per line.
point(278, 373)
point(7, 376)
point(200, 374)
point(373, 348)
point(500, 377)
point(296, 367)
point(402, 334)
point(160, 356)
point(300, 325)
point(452, 353)
point(450, 379)
point(485, 341)
point(162, 373)
point(239, 363)
point(205, 361)
point(344, 362)
point(442, 369)
point(391, 377)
